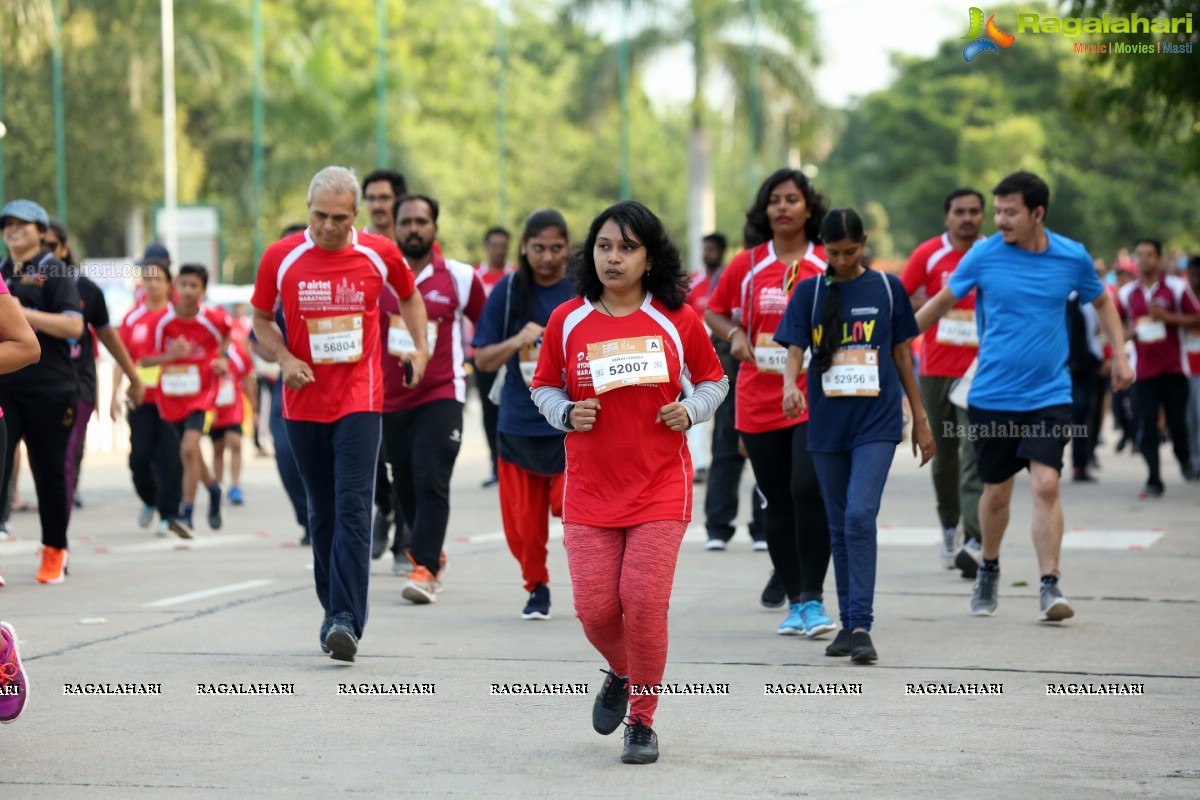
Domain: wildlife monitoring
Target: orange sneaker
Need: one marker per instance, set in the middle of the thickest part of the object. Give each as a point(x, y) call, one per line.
point(54, 565)
point(421, 587)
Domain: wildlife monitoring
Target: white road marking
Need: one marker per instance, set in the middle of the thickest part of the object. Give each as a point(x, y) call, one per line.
point(205, 593)
point(1076, 539)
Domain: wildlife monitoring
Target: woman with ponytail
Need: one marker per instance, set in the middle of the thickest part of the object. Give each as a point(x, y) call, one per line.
point(858, 324)
point(530, 459)
point(745, 309)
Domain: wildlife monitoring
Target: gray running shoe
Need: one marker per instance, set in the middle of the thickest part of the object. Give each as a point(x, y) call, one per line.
point(1055, 607)
point(949, 546)
point(983, 598)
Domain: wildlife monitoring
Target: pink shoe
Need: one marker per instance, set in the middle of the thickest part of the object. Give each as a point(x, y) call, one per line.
point(14, 685)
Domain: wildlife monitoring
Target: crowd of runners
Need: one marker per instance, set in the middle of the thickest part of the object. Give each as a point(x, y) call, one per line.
point(612, 382)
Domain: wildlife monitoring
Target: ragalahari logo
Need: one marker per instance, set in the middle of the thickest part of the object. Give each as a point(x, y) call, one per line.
point(985, 38)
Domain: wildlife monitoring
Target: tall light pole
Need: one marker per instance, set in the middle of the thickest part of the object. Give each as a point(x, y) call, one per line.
point(256, 178)
point(381, 137)
point(170, 167)
point(623, 92)
point(755, 111)
point(60, 145)
point(3, 128)
point(501, 111)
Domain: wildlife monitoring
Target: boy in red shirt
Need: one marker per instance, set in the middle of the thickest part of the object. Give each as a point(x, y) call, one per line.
point(191, 341)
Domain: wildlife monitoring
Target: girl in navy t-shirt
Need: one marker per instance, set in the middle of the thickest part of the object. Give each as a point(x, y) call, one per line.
point(858, 323)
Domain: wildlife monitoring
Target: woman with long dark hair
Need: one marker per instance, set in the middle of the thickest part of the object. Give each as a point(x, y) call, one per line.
point(859, 325)
point(613, 369)
point(530, 459)
point(746, 309)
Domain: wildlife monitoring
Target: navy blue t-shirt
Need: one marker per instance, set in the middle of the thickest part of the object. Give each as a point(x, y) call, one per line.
point(870, 320)
point(518, 415)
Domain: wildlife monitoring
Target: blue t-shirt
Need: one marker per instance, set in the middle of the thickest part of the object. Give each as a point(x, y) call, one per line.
point(871, 320)
point(518, 415)
point(1020, 313)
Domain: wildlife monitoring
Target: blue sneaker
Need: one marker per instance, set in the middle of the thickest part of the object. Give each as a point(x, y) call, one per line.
point(145, 516)
point(816, 621)
point(235, 495)
point(794, 624)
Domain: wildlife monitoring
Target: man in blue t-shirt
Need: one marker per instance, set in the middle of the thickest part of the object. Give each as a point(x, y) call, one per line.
point(1020, 398)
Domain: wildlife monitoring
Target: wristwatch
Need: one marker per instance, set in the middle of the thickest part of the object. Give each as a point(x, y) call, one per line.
point(566, 419)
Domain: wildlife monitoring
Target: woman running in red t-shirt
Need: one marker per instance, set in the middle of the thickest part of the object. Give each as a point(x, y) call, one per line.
point(631, 339)
point(746, 308)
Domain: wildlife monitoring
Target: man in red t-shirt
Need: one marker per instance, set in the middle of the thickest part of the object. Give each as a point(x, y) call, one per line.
point(329, 279)
point(725, 462)
point(494, 267)
point(190, 342)
point(1157, 308)
point(948, 348)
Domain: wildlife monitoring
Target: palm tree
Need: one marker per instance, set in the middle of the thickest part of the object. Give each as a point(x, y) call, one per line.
point(720, 36)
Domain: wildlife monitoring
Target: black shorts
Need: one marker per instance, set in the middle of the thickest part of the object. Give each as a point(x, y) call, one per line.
point(217, 434)
point(1006, 441)
point(196, 421)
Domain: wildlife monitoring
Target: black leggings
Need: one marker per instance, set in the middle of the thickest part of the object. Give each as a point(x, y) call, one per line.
point(797, 528)
point(45, 424)
point(154, 460)
point(421, 445)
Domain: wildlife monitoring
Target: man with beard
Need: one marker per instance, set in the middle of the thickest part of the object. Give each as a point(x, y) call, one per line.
point(422, 425)
point(950, 346)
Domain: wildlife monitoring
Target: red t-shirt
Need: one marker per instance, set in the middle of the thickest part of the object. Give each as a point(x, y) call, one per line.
point(697, 297)
point(489, 278)
point(231, 410)
point(451, 290)
point(629, 469)
point(137, 334)
point(751, 290)
point(1160, 348)
point(188, 385)
point(330, 302)
point(930, 267)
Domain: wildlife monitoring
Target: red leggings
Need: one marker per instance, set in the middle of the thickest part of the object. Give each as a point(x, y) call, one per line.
point(622, 581)
point(526, 502)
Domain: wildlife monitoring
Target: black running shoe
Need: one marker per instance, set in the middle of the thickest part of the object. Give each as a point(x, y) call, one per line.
point(773, 594)
point(611, 704)
point(538, 606)
point(861, 649)
point(840, 646)
point(641, 744)
point(1153, 490)
point(214, 506)
point(341, 641)
point(326, 624)
point(380, 531)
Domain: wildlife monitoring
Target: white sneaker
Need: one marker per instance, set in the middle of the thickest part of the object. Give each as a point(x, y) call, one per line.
point(760, 545)
point(4, 533)
point(715, 544)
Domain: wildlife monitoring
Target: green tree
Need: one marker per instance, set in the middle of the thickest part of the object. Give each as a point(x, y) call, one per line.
point(716, 33)
point(1155, 98)
point(944, 123)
